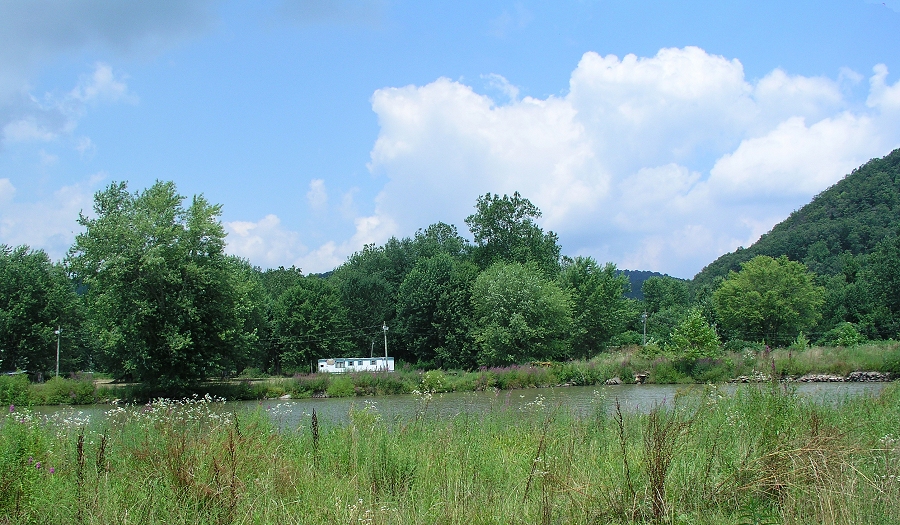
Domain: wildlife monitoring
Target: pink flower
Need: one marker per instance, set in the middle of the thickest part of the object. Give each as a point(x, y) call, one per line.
point(52, 470)
point(12, 408)
point(37, 465)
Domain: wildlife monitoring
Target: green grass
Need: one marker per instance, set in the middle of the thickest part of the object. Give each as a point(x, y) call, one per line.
point(762, 455)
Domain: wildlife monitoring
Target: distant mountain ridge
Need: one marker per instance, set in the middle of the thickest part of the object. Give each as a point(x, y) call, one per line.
point(851, 216)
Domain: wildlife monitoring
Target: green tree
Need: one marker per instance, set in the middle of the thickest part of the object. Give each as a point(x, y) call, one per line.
point(310, 323)
point(368, 283)
point(439, 238)
point(251, 301)
point(600, 310)
point(519, 316)
point(664, 292)
point(884, 269)
point(433, 305)
point(36, 297)
point(769, 299)
point(159, 286)
point(694, 338)
point(504, 230)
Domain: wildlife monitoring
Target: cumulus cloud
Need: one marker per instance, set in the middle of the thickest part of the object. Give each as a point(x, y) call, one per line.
point(268, 243)
point(49, 224)
point(658, 163)
point(317, 197)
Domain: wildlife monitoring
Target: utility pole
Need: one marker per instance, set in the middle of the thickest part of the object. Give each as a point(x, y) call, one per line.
point(644, 318)
point(384, 327)
point(57, 332)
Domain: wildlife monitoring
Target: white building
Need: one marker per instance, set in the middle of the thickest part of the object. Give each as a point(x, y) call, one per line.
point(356, 364)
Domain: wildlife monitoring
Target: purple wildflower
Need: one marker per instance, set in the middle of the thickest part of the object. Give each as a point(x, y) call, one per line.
point(12, 408)
point(37, 465)
point(52, 470)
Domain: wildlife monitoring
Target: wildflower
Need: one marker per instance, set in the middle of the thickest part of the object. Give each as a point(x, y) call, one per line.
point(52, 470)
point(37, 465)
point(12, 408)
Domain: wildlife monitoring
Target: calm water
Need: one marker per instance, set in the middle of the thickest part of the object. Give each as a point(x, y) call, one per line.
point(290, 414)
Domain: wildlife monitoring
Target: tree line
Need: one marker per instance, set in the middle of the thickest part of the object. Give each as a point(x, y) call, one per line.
point(147, 293)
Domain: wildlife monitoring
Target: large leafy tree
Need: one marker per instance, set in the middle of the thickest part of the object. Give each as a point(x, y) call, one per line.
point(600, 310)
point(519, 316)
point(884, 268)
point(769, 299)
point(433, 306)
point(504, 230)
point(310, 323)
point(159, 286)
point(664, 292)
point(368, 284)
point(35, 299)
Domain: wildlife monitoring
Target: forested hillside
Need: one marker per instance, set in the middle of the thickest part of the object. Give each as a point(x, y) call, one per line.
point(851, 217)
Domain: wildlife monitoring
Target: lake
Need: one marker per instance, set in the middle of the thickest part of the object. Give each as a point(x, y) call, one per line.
point(292, 413)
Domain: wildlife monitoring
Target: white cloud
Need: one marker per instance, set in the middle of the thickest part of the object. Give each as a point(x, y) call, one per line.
point(50, 224)
point(883, 96)
point(269, 244)
point(796, 160)
point(317, 197)
point(101, 85)
point(47, 118)
point(657, 163)
point(264, 242)
point(7, 191)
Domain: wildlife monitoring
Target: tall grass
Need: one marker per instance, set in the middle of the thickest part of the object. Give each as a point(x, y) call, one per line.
point(761, 455)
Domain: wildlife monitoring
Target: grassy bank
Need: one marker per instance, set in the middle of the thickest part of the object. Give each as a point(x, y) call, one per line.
point(762, 455)
point(625, 364)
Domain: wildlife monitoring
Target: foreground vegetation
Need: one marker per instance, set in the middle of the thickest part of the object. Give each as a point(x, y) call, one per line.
point(626, 365)
point(761, 455)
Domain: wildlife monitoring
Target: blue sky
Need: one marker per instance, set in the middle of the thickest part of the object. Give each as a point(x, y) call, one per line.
point(653, 135)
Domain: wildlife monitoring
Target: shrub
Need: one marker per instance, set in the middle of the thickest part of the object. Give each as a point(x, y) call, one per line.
point(60, 391)
point(712, 370)
point(14, 390)
point(844, 334)
point(434, 381)
point(663, 372)
point(341, 386)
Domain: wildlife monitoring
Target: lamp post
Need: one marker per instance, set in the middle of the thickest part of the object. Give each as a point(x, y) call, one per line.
point(57, 332)
point(644, 319)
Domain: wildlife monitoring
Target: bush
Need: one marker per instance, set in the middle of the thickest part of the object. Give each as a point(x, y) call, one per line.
point(14, 390)
point(712, 370)
point(844, 334)
point(434, 381)
point(60, 391)
point(663, 372)
point(341, 387)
